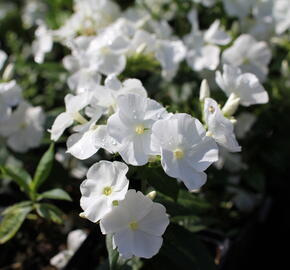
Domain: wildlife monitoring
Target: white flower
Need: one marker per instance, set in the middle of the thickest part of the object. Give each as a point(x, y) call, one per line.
point(106, 96)
point(239, 8)
point(84, 77)
point(10, 95)
point(73, 105)
point(24, 128)
point(131, 126)
point(202, 50)
point(137, 225)
point(42, 44)
point(83, 144)
point(184, 148)
point(3, 57)
point(219, 127)
point(107, 51)
point(281, 13)
point(246, 86)
point(74, 240)
point(170, 54)
point(90, 17)
point(206, 3)
point(250, 55)
point(105, 185)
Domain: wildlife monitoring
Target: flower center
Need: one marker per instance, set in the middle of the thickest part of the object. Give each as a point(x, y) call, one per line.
point(105, 50)
point(134, 225)
point(107, 191)
point(211, 109)
point(178, 153)
point(23, 125)
point(140, 129)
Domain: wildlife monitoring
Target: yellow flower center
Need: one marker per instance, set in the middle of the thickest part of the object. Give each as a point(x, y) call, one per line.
point(140, 129)
point(178, 153)
point(133, 225)
point(107, 191)
point(211, 109)
point(105, 50)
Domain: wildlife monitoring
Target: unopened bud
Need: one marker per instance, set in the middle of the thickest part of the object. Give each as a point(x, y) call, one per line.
point(152, 195)
point(8, 72)
point(204, 91)
point(231, 105)
point(82, 215)
point(285, 68)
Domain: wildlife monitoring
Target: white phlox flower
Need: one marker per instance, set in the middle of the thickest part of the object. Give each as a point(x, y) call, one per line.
point(106, 184)
point(74, 240)
point(137, 225)
point(219, 127)
point(170, 54)
point(73, 104)
point(106, 96)
point(24, 128)
point(84, 76)
point(249, 55)
point(10, 95)
point(245, 86)
point(206, 3)
point(3, 57)
point(131, 126)
point(203, 46)
point(42, 44)
point(108, 50)
point(89, 18)
point(238, 8)
point(186, 152)
point(281, 14)
point(83, 143)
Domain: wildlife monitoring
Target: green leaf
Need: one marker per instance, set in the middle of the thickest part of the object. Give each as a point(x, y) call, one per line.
point(19, 175)
point(15, 207)
point(112, 253)
point(56, 194)
point(44, 167)
point(12, 221)
point(50, 212)
point(182, 248)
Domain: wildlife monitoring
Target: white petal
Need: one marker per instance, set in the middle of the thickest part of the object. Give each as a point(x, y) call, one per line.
point(146, 245)
point(82, 145)
point(156, 221)
point(63, 121)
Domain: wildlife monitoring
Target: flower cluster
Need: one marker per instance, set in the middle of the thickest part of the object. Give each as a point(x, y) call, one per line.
point(21, 124)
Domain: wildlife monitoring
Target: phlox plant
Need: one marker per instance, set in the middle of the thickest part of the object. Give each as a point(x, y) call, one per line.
point(152, 106)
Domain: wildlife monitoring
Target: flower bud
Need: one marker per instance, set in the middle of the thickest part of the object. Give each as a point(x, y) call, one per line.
point(285, 68)
point(151, 195)
point(231, 105)
point(204, 90)
point(82, 215)
point(8, 72)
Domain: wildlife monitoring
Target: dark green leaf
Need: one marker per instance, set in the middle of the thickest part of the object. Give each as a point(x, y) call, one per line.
point(184, 249)
point(44, 167)
point(112, 253)
point(12, 221)
point(19, 175)
point(56, 194)
point(16, 207)
point(50, 212)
